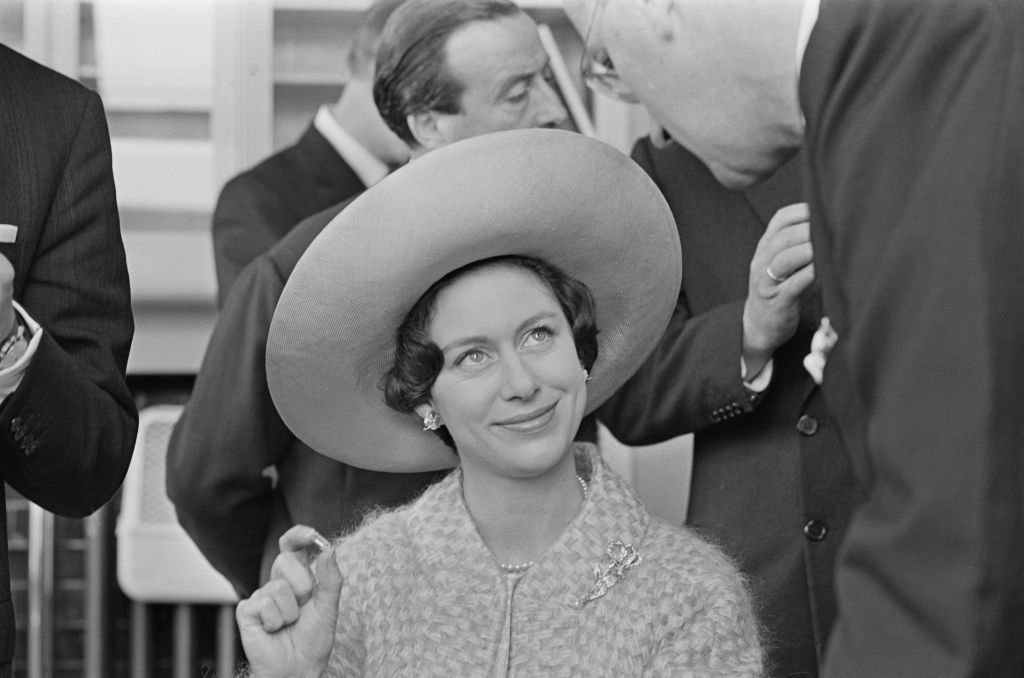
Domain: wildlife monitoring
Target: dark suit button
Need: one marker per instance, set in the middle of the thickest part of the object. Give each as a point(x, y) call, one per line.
point(16, 423)
point(815, 530)
point(807, 425)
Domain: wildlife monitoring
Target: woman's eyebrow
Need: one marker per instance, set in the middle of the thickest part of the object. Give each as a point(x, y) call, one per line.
point(482, 339)
point(537, 317)
point(464, 341)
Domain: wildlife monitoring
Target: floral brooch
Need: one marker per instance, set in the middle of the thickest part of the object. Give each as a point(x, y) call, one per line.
point(620, 557)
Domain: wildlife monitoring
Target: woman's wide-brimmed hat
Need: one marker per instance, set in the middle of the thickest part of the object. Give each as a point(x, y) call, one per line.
point(559, 196)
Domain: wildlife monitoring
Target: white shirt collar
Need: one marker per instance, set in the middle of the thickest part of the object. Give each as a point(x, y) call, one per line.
point(368, 167)
point(808, 18)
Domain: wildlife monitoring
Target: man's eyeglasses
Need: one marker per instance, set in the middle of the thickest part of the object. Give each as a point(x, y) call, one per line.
point(597, 68)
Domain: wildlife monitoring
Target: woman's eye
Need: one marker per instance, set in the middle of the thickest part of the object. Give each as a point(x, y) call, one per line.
point(538, 336)
point(471, 358)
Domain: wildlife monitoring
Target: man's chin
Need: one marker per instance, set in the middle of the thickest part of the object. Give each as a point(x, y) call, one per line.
point(734, 171)
point(738, 178)
point(746, 167)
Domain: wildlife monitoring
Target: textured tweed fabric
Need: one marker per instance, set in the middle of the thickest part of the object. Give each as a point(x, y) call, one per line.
point(424, 596)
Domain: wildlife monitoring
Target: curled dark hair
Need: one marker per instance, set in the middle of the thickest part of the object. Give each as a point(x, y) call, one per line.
point(411, 73)
point(418, 360)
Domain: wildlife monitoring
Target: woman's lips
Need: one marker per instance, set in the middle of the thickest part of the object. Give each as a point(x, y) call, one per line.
point(530, 421)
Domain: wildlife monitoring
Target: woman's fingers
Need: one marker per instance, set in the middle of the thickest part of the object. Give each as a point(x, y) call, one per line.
point(302, 538)
point(328, 588)
point(272, 607)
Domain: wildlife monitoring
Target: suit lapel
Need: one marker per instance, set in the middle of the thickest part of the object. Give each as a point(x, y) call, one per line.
point(333, 175)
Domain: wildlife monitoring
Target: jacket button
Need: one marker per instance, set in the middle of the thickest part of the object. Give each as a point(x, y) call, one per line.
point(16, 422)
point(815, 530)
point(807, 425)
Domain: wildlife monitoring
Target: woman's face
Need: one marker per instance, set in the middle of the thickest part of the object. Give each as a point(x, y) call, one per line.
point(512, 391)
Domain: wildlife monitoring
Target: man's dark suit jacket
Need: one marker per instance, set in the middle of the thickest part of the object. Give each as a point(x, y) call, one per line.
point(67, 432)
point(261, 205)
point(915, 146)
point(231, 434)
point(770, 483)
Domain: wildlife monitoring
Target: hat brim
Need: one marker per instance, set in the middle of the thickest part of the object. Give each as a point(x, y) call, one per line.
point(559, 196)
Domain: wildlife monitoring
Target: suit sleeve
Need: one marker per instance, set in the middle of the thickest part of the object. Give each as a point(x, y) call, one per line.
point(69, 429)
point(691, 380)
point(229, 433)
point(242, 228)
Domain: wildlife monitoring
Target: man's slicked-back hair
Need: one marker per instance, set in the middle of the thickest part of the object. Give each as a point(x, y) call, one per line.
point(412, 73)
point(362, 53)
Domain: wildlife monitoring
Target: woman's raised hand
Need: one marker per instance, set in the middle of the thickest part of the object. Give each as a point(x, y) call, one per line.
point(287, 625)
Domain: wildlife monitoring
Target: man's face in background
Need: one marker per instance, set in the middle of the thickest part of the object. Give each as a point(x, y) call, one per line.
point(504, 71)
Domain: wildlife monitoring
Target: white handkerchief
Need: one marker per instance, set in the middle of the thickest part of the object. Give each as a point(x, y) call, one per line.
point(822, 343)
point(8, 232)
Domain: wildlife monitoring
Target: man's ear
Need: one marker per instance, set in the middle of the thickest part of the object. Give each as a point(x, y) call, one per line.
point(427, 129)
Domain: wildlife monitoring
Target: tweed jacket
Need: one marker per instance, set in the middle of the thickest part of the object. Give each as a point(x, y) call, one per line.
point(67, 432)
point(423, 596)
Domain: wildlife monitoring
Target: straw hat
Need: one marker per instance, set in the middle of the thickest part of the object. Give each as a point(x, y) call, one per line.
point(559, 196)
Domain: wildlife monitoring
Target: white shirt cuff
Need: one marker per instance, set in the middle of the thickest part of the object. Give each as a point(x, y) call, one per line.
point(10, 377)
point(760, 381)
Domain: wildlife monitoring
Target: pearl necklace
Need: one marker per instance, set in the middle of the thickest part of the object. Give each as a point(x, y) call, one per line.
point(517, 568)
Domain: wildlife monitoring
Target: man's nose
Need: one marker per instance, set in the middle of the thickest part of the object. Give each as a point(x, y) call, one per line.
point(549, 111)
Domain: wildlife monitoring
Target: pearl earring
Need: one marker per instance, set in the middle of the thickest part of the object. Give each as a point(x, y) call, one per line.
point(432, 421)
point(587, 374)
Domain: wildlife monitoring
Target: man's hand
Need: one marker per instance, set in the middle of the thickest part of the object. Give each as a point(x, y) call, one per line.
point(7, 319)
point(780, 272)
point(287, 625)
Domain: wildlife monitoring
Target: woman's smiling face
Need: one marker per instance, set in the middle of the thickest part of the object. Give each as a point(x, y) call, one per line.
point(512, 391)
